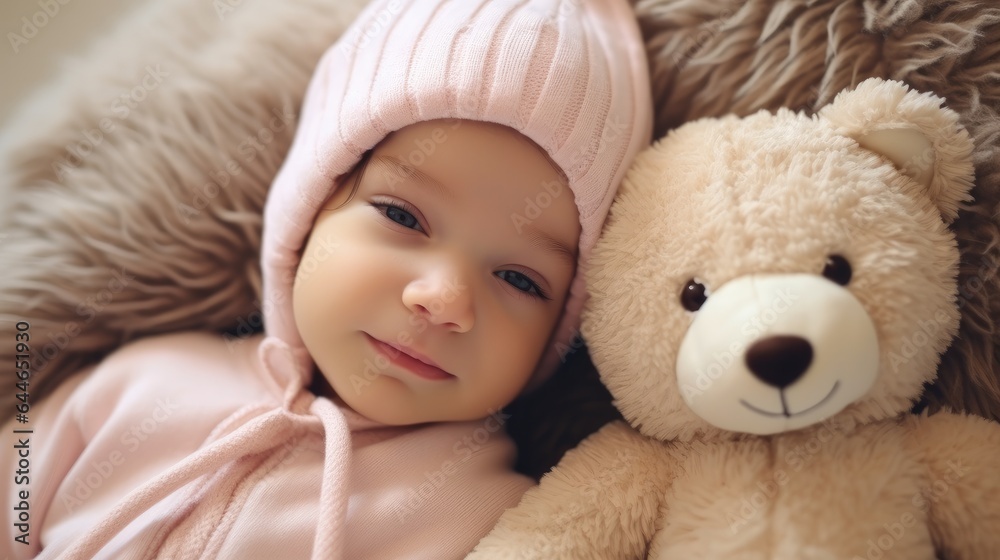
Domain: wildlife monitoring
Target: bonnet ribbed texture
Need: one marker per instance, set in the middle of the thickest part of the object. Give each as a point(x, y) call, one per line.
point(571, 75)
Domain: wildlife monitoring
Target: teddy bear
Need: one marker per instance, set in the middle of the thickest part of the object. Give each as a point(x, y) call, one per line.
point(768, 299)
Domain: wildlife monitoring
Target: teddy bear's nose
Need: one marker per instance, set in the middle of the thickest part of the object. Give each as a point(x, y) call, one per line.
point(779, 360)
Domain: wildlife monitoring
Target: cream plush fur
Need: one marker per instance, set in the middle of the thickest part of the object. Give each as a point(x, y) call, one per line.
point(846, 474)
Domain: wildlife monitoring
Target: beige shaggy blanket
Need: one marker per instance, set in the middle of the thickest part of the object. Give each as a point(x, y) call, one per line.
point(132, 186)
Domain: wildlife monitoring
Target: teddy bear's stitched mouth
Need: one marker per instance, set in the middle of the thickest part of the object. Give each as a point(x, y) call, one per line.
point(785, 412)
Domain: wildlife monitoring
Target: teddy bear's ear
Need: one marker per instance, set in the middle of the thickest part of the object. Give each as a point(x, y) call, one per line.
point(912, 130)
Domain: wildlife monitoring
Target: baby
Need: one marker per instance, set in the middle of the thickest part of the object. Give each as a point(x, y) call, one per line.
point(423, 245)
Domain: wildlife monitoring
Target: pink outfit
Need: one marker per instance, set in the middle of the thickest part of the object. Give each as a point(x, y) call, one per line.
point(191, 446)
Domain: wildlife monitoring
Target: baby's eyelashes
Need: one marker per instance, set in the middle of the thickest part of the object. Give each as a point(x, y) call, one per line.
point(400, 213)
point(403, 214)
point(522, 283)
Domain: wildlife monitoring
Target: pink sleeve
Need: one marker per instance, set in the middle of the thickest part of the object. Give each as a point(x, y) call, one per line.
point(35, 464)
point(114, 427)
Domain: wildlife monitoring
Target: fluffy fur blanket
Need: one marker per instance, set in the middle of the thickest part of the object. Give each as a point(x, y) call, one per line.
point(133, 185)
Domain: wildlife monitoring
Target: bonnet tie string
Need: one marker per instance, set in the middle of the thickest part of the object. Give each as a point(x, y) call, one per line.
point(328, 543)
point(259, 435)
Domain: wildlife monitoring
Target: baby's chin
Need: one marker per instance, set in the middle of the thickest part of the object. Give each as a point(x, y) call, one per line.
point(384, 400)
point(394, 403)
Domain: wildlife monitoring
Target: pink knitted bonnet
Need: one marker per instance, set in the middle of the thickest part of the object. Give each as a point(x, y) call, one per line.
point(571, 75)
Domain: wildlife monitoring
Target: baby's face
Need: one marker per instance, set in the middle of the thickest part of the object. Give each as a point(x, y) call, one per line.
point(458, 248)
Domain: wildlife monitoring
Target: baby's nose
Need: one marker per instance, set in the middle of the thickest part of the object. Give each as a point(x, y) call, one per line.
point(443, 299)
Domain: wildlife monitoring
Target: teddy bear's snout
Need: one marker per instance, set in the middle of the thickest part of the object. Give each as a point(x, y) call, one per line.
point(769, 353)
point(779, 360)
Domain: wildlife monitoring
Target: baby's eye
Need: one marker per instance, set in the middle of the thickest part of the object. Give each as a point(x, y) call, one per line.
point(522, 283)
point(399, 214)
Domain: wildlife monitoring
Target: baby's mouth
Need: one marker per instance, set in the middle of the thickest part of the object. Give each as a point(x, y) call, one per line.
point(410, 360)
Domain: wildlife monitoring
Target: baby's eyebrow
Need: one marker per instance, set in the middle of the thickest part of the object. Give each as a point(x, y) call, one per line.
point(551, 244)
point(539, 238)
point(398, 169)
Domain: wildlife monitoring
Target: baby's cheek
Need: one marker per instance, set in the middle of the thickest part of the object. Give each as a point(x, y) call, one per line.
point(522, 349)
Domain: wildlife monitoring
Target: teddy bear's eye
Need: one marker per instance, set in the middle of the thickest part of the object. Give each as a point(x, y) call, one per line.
point(693, 295)
point(838, 269)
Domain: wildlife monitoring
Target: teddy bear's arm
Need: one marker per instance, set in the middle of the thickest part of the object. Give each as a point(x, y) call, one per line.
point(962, 499)
point(600, 501)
